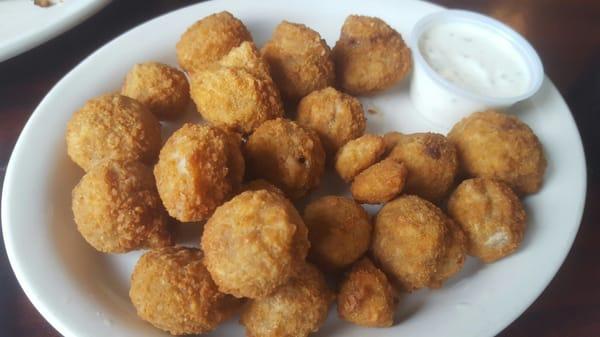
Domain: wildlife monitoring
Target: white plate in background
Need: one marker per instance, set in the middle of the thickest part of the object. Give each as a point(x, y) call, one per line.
point(24, 25)
point(82, 292)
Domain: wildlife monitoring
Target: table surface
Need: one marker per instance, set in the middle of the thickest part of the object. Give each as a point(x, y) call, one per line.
point(565, 33)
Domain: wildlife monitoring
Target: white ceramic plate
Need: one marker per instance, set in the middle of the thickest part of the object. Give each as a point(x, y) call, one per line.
point(24, 25)
point(84, 293)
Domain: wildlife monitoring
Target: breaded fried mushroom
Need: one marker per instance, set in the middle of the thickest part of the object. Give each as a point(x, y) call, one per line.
point(296, 309)
point(336, 117)
point(491, 215)
point(370, 56)
point(117, 208)
point(164, 90)
point(431, 161)
point(366, 296)
point(237, 92)
point(409, 240)
point(339, 231)
point(172, 290)
point(494, 145)
point(112, 127)
point(254, 243)
point(209, 39)
point(199, 168)
point(300, 60)
point(287, 155)
point(357, 155)
point(379, 183)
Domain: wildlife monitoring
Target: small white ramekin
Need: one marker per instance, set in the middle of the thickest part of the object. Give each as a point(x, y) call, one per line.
point(444, 103)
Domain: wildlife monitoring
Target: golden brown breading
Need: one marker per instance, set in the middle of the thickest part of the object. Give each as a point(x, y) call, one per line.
point(287, 155)
point(409, 240)
point(491, 215)
point(247, 57)
point(339, 231)
point(164, 90)
point(300, 60)
point(391, 139)
point(237, 93)
point(336, 117)
point(261, 184)
point(209, 39)
point(117, 208)
point(357, 155)
point(379, 183)
point(370, 56)
point(294, 310)
point(366, 296)
point(254, 243)
point(431, 161)
point(493, 145)
point(112, 127)
point(199, 167)
point(171, 289)
point(454, 259)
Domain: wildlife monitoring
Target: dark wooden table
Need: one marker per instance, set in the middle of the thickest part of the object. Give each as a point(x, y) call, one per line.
point(565, 33)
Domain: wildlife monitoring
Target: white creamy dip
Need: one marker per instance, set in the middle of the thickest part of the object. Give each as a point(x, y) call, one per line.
point(476, 59)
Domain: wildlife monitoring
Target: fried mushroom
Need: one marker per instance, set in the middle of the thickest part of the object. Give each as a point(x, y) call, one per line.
point(164, 90)
point(409, 240)
point(379, 183)
point(357, 155)
point(370, 56)
point(199, 167)
point(287, 155)
point(339, 231)
point(366, 296)
point(296, 309)
point(336, 117)
point(300, 60)
point(491, 215)
point(172, 290)
point(494, 145)
point(112, 127)
point(209, 39)
point(237, 93)
point(254, 243)
point(117, 208)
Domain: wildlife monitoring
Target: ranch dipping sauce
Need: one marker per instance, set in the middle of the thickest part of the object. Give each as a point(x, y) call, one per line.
point(466, 62)
point(475, 59)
